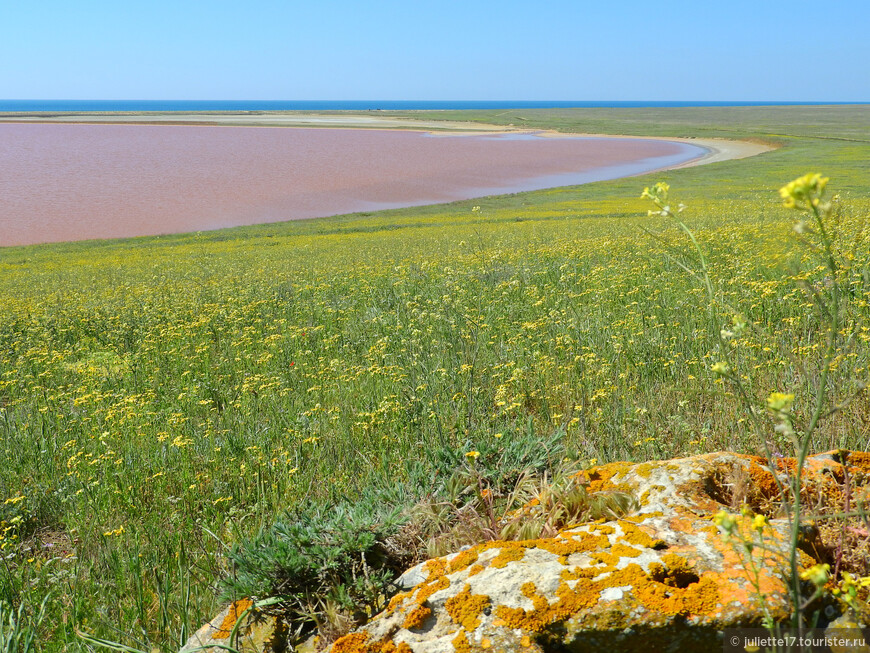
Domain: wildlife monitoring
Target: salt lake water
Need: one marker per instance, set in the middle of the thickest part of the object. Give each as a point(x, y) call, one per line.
point(63, 182)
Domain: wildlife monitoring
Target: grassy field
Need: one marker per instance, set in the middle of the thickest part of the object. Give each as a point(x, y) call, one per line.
point(163, 398)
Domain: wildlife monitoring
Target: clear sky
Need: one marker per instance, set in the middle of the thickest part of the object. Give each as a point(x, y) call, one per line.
point(435, 50)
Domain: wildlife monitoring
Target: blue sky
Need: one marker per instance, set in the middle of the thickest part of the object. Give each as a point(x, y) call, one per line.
point(427, 50)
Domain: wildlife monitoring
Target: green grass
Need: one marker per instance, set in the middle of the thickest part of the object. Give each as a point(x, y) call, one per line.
point(163, 398)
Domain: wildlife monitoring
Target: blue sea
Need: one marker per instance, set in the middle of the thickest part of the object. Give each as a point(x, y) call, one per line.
point(352, 105)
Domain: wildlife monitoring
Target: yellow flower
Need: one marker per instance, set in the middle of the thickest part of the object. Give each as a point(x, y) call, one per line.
point(759, 523)
point(725, 521)
point(720, 368)
point(818, 575)
point(804, 191)
point(472, 455)
point(780, 401)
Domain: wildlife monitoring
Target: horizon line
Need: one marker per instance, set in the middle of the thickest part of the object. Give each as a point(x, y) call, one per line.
point(62, 99)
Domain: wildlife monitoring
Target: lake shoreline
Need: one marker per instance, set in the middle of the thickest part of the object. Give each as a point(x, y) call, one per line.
point(720, 149)
point(210, 187)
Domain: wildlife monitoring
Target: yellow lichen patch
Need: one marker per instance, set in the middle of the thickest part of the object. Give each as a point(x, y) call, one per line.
point(669, 591)
point(600, 477)
point(435, 567)
point(353, 643)
point(676, 563)
point(463, 560)
point(580, 572)
point(859, 460)
point(397, 600)
point(604, 529)
point(568, 602)
point(604, 558)
point(531, 592)
point(733, 580)
point(465, 608)
point(460, 643)
point(359, 643)
point(762, 479)
point(506, 555)
point(427, 589)
point(621, 550)
point(634, 535)
point(475, 569)
point(389, 647)
point(579, 542)
point(644, 470)
point(636, 519)
point(417, 617)
point(237, 609)
point(701, 598)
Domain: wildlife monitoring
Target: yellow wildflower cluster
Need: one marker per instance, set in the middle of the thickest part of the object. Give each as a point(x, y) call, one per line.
point(804, 192)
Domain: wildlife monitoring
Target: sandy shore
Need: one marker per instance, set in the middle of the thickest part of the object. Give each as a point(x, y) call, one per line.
point(258, 119)
point(718, 149)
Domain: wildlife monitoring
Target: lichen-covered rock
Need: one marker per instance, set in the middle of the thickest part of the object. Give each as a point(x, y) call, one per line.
point(661, 579)
point(239, 627)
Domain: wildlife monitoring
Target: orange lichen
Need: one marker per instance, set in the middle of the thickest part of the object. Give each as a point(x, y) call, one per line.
point(353, 643)
point(531, 592)
point(634, 535)
point(763, 479)
point(621, 550)
point(636, 519)
point(397, 600)
point(237, 609)
point(465, 608)
point(568, 602)
point(434, 567)
point(417, 617)
point(389, 647)
point(600, 477)
point(697, 598)
point(604, 558)
point(463, 560)
point(672, 588)
point(475, 569)
point(359, 643)
point(579, 542)
point(857, 459)
point(506, 555)
point(429, 588)
point(669, 589)
point(567, 574)
point(460, 643)
point(676, 563)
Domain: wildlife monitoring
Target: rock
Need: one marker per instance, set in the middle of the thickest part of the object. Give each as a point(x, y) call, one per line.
point(660, 579)
point(257, 633)
point(846, 627)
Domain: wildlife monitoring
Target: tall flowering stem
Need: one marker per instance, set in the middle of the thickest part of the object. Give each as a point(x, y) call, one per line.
point(806, 194)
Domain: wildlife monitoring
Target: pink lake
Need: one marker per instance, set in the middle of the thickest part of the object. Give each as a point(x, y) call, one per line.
point(62, 182)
